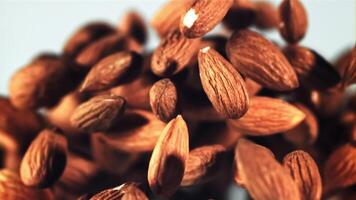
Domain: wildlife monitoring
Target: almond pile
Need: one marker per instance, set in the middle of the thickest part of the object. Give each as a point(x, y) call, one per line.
point(109, 118)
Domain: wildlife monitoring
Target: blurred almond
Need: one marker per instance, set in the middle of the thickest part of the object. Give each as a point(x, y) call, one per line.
point(349, 74)
point(294, 20)
point(173, 54)
point(312, 69)
point(259, 59)
point(203, 16)
point(267, 116)
point(266, 15)
point(167, 18)
point(223, 85)
point(168, 159)
point(164, 99)
point(86, 35)
point(45, 160)
point(305, 173)
point(126, 191)
point(261, 174)
point(99, 113)
point(306, 132)
point(241, 15)
point(112, 70)
point(338, 169)
point(13, 189)
point(136, 131)
point(133, 25)
point(202, 164)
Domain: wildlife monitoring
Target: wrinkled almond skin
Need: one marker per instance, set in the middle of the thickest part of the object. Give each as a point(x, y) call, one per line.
point(133, 25)
point(202, 164)
point(41, 83)
point(126, 191)
point(167, 18)
point(264, 178)
point(167, 164)
point(203, 16)
point(173, 54)
point(312, 69)
point(306, 132)
point(338, 169)
point(99, 113)
point(293, 20)
point(137, 131)
point(259, 59)
point(85, 35)
point(305, 173)
point(164, 99)
point(44, 160)
point(11, 188)
point(112, 70)
point(267, 116)
point(222, 84)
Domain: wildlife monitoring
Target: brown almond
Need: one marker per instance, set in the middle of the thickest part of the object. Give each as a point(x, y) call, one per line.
point(112, 70)
point(173, 54)
point(349, 74)
point(306, 132)
point(338, 169)
point(126, 191)
point(164, 99)
point(99, 113)
point(41, 83)
point(168, 16)
point(261, 174)
point(44, 160)
point(294, 20)
point(259, 59)
point(134, 26)
point(136, 131)
point(105, 46)
point(267, 16)
point(252, 87)
point(203, 16)
point(241, 15)
point(86, 35)
point(13, 189)
point(202, 164)
point(312, 69)
point(167, 164)
point(305, 173)
point(267, 116)
point(223, 85)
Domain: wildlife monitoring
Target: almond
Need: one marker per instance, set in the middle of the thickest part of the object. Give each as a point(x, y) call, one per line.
point(167, 164)
point(136, 131)
point(223, 85)
point(173, 54)
point(44, 160)
point(203, 16)
point(268, 116)
point(312, 69)
point(241, 15)
point(259, 59)
point(86, 35)
point(133, 25)
point(350, 69)
point(294, 20)
point(163, 99)
point(128, 191)
point(112, 70)
point(13, 189)
point(338, 169)
point(305, 173)
point(266, 15)
point(261, 174)
point(202, 164)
